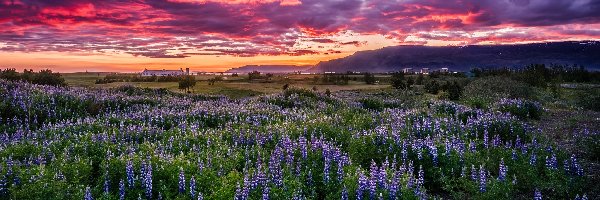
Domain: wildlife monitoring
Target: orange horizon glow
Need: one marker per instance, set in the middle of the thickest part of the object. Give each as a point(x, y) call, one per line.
point(217, 35)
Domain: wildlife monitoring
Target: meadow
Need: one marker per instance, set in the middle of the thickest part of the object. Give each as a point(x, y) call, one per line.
point(254, 140)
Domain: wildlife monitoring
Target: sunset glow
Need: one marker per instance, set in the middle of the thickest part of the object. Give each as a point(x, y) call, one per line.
point(216, 35)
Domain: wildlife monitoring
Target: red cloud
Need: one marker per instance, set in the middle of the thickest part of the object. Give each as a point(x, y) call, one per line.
point(156, 28)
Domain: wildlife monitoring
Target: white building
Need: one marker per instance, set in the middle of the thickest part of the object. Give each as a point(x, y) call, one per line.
point(407, 70)
point(425, 71)
point(444, 70)
point(165, 72)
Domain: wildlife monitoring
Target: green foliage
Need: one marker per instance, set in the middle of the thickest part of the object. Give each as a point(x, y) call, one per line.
point(43, 77)
point(432, 87)
point(254, 75)
point(485, 91)
point(521, 108)
point(454, 91)
point(588, 99)
point(187, 82)
point(398, 81)
point(10, 74)
point(369, 78)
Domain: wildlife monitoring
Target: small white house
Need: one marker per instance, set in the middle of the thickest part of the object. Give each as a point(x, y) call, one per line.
point(165, 72)
point(407, 70)
point(424, 70)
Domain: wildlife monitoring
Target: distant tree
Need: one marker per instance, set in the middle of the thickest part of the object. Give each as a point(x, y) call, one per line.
point(286, 86)
point(454, 91)
point(398, 81)
point(269, 76)
point(419, 80)
point(47, 77)
point(253, 75)
point(316, 79)
point(10, 74)
point(369, 78)
point(314, 88)
point(328, 92)
point(432, 87)
point(187, 82)
point(234, 75)
point(410, 81)
point(28, 75)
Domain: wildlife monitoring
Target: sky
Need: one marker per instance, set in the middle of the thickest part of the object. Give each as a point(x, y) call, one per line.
point(215, 35)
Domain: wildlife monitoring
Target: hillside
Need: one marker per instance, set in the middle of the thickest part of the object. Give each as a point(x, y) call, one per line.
point(463, 58)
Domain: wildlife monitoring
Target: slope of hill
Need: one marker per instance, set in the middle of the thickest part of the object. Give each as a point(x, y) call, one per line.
point(269, 68)
point(463, 58)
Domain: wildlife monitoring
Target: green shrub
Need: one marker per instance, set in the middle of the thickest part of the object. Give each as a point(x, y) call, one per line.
point(522, 109)
point(487, 90)
point(588, 99)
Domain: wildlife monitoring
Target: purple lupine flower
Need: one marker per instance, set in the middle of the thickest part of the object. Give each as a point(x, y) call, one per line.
point(394, 186)
point(88, 194)
point(3, 186)
point(265, 193)
point(373, 182)
point(200, 196)
point(502, 171)
point(129, 172)
point(551, 162)
point(514, 154)
point(474, 175)
point(420, 181)
point(181, 181)
point(275, 167)
point(537, 195)
point(344, 193)
point(363, 184)
point(576, 166)
point(121, 190)
point(192, 187)
point(340, 171)
point(482, 179)
point(148, 181)
point(238, 193)
point(382, 177)
point(106, 181)
point(472, 147)
point(326, 163)
point(532, 159)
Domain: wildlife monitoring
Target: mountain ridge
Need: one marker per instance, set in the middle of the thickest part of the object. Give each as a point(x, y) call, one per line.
point(463, 58)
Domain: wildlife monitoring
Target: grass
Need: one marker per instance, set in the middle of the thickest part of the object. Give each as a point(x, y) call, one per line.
point(233, 87)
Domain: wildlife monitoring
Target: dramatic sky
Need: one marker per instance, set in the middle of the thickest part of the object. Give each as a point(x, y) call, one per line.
point(215, 35)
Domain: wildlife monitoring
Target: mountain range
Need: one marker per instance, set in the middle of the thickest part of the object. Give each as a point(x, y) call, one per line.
point(463, 58)
point(456, 58)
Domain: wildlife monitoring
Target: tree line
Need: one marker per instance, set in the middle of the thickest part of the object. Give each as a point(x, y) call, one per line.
point(42, 77)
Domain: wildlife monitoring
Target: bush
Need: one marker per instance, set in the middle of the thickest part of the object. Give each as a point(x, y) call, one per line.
point(398, 81)
point(520, 108)
point(10, 74)
point(487, 90)
point(43, 77)
point(432, 87)
point(588, 99)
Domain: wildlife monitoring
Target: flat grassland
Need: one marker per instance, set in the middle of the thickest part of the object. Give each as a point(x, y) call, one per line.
point(233, 87)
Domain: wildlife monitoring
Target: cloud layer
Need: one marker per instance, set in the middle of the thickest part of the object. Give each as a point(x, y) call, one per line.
point(183, 28)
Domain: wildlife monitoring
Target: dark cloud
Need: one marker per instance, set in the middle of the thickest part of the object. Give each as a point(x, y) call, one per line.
point(165, 28)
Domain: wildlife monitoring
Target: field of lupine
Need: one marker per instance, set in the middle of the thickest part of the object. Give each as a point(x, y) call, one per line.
point(132, 143)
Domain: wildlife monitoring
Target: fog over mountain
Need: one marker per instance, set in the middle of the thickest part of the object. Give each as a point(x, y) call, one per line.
point(463, 58)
